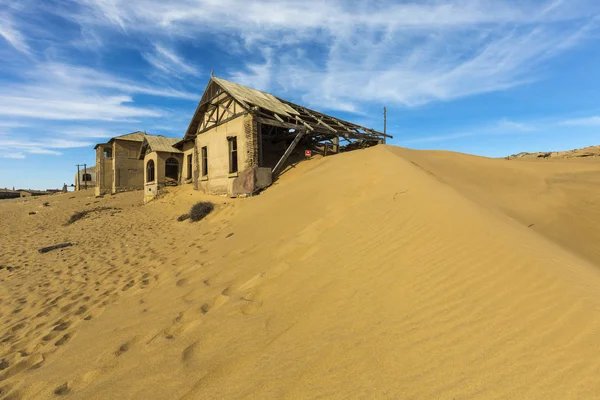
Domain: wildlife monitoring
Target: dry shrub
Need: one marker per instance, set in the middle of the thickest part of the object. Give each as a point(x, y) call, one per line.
point(81, 214)
point(201, 210)
point(183, 217)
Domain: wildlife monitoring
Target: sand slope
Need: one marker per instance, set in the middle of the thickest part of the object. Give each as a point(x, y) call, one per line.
point(362, 275)
point(559, 198)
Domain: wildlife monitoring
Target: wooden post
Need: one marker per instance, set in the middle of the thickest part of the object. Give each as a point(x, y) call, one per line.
point(336, 144)
point(287, 153)
point(260, 144)
point(384, 123)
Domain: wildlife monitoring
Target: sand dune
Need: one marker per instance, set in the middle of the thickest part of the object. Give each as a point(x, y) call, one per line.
point(382, 273)
point(590, 151)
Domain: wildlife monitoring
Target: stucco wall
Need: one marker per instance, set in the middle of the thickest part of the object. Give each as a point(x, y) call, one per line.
point(81, 183)
point(162, 159)
point(104, 171)
point(219, 180)
point(127, 169)
point(151, 189)
point(186, 175)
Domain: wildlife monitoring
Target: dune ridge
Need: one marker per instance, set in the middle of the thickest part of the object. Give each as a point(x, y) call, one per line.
point(382, 273)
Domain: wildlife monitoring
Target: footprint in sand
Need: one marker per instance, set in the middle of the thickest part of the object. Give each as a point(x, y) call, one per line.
point(125, 347)
point(62, 389)
point(253, 304)
point(181, 282)
point(129, 285)
point(63, 339)
point(189, 356)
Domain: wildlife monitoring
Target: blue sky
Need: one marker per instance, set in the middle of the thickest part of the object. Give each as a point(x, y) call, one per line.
point(488, 77)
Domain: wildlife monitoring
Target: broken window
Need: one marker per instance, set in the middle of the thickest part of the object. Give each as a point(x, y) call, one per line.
point(150, 171)
point(87, 177)
point(172, 169)
point(108, 152)
point(204, 161)
point(189, 166)
point(233, 157)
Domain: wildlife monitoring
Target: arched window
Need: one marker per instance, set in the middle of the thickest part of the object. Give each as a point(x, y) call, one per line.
point(172, 169)
point(87, 177)
point(150, 171)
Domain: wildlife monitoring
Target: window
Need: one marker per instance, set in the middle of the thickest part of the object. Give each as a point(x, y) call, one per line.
point(87, 177)
point(233, 158)
point(204, 161)
point(172, 169)
point(108, 152)
point(150, 171)
point(189, 166)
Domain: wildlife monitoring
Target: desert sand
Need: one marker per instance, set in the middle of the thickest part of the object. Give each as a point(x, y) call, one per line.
point(382, 273)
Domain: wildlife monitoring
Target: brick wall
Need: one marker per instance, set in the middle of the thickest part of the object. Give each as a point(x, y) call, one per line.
point(251, 136)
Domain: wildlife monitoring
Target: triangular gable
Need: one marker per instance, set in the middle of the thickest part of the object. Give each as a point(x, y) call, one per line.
point(214, 90)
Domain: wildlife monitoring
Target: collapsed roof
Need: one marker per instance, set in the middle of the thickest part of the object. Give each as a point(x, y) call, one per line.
point(271, 110)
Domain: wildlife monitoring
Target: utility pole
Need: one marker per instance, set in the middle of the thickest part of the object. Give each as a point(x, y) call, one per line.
point(384, 123)
point(85, 175)
point(78, 181)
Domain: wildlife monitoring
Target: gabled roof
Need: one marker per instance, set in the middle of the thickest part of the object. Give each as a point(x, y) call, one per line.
point(275, 111)
point(159, 144)
point(132, 137)
point(244, 94)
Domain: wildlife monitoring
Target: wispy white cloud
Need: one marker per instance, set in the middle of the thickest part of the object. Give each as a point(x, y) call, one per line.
point(18, 148)
point(6, 153)
point(441, 138)
point(406, 53)
point(66, 92)
point(256, 75)
point(501, 127)
point(84, 132)
point(10, 33)
point(167, 61)
point(586, 121)
point(506, 124)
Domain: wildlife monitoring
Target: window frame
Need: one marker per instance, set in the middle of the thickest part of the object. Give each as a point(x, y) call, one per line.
point(204, 153)
point(148, 174)
point(190, 166)
point(232, 149)
point(174, 163)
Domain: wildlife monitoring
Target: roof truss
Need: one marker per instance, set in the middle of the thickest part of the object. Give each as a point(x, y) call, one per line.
point(218, 106)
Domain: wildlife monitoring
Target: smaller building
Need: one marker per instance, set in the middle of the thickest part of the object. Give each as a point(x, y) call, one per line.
point(118, 168)
point(85, 178)
point(163, 164)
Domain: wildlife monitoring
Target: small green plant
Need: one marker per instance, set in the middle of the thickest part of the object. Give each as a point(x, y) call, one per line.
point(201, 210)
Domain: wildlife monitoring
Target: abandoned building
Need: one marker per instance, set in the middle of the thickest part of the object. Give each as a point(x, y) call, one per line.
point(85, 178)
point(163, 164)
point(239, 138)
point(117, 165)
